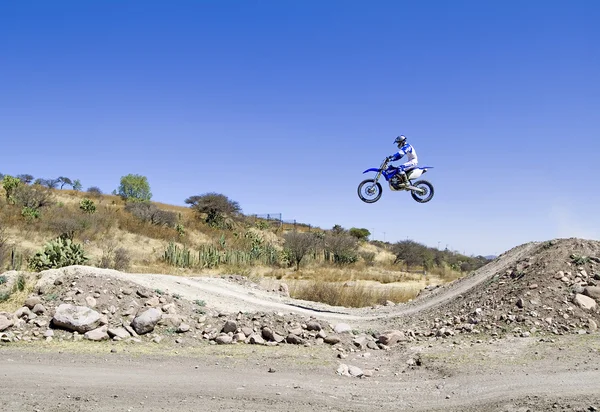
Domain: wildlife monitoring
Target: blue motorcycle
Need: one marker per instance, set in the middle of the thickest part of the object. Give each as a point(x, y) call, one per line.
point(370, 190)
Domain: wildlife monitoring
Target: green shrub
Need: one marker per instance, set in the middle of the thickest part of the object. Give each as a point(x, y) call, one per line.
point(30, 213)
point(58, 253)
point(87, 205)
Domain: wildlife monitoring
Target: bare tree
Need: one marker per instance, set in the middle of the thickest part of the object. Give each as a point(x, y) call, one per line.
point(343, 247)
point(298, 244)
point(27, 179)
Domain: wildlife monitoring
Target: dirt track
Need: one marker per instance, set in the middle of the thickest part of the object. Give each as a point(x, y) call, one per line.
point(227, 296)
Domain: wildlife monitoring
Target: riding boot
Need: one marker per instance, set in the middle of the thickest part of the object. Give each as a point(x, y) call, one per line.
point(403, 178)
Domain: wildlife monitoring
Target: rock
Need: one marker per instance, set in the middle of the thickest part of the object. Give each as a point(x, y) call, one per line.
point(49, 333)
point(584, 302)
point(520, 303)
point(40, 323)
point(153, 302)
point(170, 320)
point(229, 326)
point(360, 342)
point(146, 321)
point(391, 337)
point(169, 308)
point(224, 339)
point(592, 326)
point(295, 331)
point(31, 301)
point(239, 337)
point(372, 345)
point(5, 323)
point(120, 333)
point(355, 371)
point(184, 327)
point(331, 340)
point(39, 309)
point(256, 339)
point(342, 328)
point(343, 370)
point(316, 326)
point(90, 301)
point(98, 334)
point(294, 339)
point(593, 292)
point(247, 331)
point(24, 312)
point(129, 329)
point(284, 290)
point(141, 293)
point(76, 318)
point(269, 335)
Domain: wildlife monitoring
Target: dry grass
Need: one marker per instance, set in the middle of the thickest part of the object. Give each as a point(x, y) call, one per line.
point(354, 295)
point(15, 291)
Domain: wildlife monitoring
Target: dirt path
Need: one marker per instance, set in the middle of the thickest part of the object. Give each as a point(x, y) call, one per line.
point(236, 379)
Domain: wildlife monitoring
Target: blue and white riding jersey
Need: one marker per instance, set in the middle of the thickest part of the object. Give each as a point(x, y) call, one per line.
point(409, 151)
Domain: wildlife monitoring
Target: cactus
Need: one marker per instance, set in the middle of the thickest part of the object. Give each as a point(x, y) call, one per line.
point(58, 253)
point(87, 205)
point(178, 257)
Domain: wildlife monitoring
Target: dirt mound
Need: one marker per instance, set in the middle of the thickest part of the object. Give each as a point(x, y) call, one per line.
point(544, 288)
point(180, 319)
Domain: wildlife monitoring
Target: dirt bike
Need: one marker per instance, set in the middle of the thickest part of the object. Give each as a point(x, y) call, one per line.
point(370, 190)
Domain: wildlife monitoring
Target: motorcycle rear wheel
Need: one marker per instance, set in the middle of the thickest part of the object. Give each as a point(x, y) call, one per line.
point(373, 191)
point(427, 193)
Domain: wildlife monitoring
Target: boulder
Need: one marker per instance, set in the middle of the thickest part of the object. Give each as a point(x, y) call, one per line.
point(146, 321)
point(76, 318)
point(593, 292)
point(97, 334)
point(5, 323)
point(584, 302)
point(391, 337)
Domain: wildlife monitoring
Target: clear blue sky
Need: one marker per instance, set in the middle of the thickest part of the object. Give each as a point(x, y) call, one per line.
point(281, 105)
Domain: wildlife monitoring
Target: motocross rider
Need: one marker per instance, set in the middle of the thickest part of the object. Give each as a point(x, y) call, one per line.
point(404, 148)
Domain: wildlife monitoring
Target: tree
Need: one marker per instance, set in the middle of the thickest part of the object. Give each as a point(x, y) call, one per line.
point(25, 178)
point(77, 185)
point(134, 188)
point(49, 183)
point(64, 181)
point(337, 230)
point(32, 197)
point(298, 244)
point(360, 234)
point(94, 191)
point(215, 205)
point(410, 252)
point(9, 184)
point(343, 247)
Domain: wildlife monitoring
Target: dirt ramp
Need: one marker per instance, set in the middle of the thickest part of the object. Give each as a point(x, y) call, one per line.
point(537, 288)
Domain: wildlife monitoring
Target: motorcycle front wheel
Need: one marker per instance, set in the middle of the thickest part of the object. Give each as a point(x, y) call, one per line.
point(369, 191)
point(426, 191)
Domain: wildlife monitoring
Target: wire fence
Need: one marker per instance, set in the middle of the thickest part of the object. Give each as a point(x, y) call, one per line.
point(276, 221)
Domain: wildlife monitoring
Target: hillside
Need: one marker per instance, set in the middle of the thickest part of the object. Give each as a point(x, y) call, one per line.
point(151, 237)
